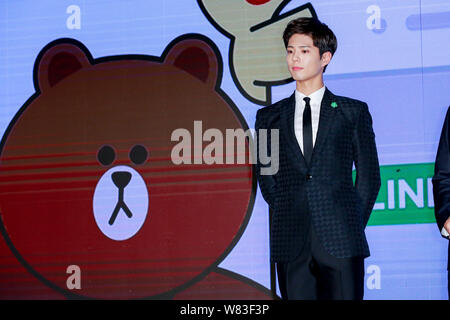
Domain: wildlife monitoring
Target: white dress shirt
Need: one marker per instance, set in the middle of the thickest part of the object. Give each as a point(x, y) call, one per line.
point(316, 100)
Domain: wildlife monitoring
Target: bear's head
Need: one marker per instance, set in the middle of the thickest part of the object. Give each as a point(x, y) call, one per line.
point(87, 176)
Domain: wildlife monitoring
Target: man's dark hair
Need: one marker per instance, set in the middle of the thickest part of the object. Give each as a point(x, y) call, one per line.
point(322, 36)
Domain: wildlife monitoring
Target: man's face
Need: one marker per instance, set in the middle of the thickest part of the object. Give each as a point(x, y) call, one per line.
point(303, 58)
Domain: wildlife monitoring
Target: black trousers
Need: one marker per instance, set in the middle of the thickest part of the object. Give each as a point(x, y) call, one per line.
point(317, 275)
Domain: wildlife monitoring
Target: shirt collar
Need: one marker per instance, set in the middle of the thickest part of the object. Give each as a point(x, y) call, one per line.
point(316, 96)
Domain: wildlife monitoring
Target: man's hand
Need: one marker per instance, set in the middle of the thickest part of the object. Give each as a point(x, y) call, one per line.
point(447, 225)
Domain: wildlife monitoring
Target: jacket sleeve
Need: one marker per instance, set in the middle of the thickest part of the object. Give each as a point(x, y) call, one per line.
point(267, 182)
point(441, 178)
point(366, 163)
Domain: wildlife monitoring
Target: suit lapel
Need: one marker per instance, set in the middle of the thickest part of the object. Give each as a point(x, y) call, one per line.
point(287, 119)
point(326, 118)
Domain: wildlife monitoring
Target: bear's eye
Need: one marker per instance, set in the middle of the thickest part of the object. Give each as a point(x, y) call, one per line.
point(106, 155)
point(138, 154)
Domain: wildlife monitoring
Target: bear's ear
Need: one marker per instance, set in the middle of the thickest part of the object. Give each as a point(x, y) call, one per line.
point(58, 60)
point(196, 57)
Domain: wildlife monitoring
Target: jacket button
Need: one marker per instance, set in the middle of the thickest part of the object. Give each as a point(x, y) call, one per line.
point(308, 177)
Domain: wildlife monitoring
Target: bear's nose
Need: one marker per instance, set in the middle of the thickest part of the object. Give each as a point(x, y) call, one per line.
point(120, 203)
point(121, 179)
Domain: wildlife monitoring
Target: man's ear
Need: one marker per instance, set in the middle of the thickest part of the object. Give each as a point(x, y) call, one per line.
point(326, 58)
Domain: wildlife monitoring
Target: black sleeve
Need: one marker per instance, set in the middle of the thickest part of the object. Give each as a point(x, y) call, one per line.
point(441, 178)
point(366, 163)
point(267, 182)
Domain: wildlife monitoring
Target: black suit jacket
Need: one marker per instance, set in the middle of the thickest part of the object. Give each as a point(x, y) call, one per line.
point(322, 195)
point(441, 178)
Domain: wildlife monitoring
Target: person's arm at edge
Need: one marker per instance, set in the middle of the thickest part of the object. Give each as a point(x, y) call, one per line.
point(441, 180)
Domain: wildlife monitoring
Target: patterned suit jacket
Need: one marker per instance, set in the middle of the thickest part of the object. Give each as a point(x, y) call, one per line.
point(322, 195)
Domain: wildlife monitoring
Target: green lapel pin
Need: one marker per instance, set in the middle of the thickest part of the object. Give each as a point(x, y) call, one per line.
point(334, 104)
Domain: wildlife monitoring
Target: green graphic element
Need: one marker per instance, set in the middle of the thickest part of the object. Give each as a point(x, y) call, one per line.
point(406, 195)
point(334, 104)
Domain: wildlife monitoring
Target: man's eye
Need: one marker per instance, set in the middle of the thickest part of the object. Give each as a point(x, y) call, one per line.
point(305, 51)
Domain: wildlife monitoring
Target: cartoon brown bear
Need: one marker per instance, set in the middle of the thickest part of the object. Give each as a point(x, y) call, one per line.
point(87, 178)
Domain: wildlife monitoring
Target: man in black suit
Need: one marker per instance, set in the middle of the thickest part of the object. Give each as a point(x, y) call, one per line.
point(441, 186)
point(319, 215)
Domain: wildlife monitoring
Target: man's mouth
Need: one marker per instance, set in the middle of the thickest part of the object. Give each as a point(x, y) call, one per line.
point(297, 68)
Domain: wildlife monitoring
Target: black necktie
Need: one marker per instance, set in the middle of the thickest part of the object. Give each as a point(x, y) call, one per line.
point(307, 131)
